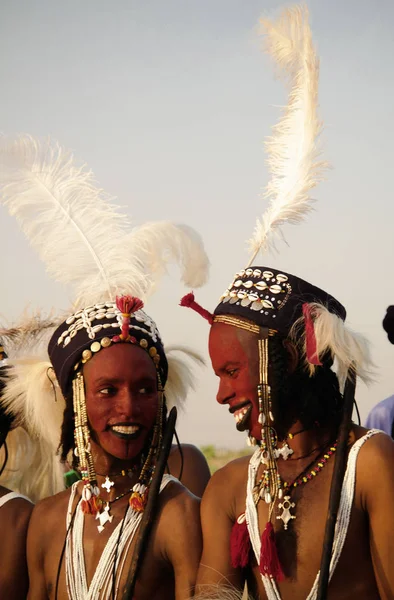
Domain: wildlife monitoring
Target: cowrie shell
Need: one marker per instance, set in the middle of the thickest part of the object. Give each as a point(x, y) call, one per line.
point(253, 296)
point(275, 289)
point(267, 304)
point(261, 286)
point(248, 272)
point(245, 301)
point(257, 273)
point(248, 284)
point(281, 278)
point(241, 294)
point(238, 283)
point(267, 274)
point(256, 305)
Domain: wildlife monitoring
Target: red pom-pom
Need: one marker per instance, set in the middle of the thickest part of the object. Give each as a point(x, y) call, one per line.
point(310, 337)
point(91, 506)
point(240, 545)
point(269, 559)
point(189, 302)
point(138, 502)
point(128, 304)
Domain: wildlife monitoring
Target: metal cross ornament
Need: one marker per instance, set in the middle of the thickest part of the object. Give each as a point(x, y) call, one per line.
point(107, 484)
point(284, 452)
point(104, 517)
point(286, 516)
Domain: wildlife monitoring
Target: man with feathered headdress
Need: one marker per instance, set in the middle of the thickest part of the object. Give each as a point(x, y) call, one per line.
point(106, 367)
point(273, 342)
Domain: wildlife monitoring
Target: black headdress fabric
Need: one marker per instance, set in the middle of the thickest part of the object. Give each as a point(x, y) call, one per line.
point(89, 329)
point(388, 323)
point(273, 298)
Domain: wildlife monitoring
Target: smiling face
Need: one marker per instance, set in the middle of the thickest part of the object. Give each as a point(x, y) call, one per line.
point(121, 399)
point(234, 357)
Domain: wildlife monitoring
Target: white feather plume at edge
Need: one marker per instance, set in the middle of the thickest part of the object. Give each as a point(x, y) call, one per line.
point(181, 378)
point(33, 396)
point(293, 156)
point(81, 237)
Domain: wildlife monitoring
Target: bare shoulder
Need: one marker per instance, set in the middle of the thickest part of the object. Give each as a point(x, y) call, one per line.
point(190, 453)
point(376, 456)
point(49, 516)
point(178, 522)
point(189, 464)
point(230, 475)
point(224, 487)
point(15, 515)
point(377, 450)
point(177, 501)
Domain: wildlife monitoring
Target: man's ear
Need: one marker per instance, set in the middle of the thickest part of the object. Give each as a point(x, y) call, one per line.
point(293, 356)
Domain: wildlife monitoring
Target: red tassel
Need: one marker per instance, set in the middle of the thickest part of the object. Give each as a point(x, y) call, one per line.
point(189, 302)
point(269, 559)
point(127, 306)
point(240, 545)
point(310, 337)
point(92, 506)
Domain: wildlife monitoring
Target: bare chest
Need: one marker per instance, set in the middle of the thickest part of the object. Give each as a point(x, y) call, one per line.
point(299, 525)
point(91, 559)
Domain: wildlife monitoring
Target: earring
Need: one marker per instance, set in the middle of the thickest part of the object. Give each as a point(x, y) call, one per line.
point(91, 501)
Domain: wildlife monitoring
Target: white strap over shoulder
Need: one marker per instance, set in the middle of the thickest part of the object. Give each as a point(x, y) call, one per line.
point(12, 496)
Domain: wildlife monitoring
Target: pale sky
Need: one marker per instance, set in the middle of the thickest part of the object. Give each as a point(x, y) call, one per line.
point(169, 103)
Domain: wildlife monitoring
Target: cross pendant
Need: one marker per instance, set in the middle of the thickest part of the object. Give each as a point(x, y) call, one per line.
point(286, 516)
point(104, 517)
point(284, 452)
point(107, 484)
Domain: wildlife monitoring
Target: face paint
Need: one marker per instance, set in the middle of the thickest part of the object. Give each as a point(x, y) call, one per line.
point(234, 358)
point(121, 399)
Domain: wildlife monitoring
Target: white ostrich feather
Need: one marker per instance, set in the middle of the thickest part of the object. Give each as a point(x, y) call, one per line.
point(181, 378)
point(32, 468)
point(82, 238)
point(349, 350)
point(293, 154)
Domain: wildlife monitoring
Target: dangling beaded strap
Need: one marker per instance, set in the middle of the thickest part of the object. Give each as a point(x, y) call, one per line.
point(343, 520)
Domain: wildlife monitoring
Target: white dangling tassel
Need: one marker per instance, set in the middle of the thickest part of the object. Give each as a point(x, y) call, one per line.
point(271, 416)
point(267, 498)
point(261, 418)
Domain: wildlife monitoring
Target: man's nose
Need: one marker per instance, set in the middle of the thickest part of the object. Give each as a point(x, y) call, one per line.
point(127, 405)
point(225, 393)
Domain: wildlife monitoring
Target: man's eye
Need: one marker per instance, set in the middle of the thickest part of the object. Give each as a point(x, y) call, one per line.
point(107, 391)
point(145, 390)
point(231, 372)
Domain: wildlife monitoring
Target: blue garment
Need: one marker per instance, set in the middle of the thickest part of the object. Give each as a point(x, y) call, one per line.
point(382, 416)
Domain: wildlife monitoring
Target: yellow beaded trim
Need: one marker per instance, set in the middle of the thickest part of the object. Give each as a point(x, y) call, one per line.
point(241, 324)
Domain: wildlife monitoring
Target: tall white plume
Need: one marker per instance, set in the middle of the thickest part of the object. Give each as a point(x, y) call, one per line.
point(82, 238)
point(293, 155)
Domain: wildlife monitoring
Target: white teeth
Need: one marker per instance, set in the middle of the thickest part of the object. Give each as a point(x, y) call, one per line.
point(127, 429)
point(239, 415)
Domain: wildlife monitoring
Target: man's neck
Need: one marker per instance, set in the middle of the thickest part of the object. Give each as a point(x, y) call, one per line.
point(123, 474)
point(305, 442)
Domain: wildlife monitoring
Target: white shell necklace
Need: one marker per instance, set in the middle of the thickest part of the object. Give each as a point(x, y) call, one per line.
point(341, 527)
point(101, 585)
